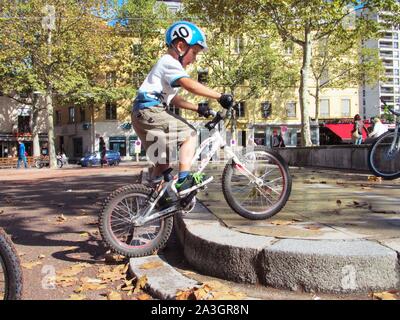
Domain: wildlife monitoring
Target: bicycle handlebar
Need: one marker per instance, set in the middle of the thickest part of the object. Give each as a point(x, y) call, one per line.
point(218, 116)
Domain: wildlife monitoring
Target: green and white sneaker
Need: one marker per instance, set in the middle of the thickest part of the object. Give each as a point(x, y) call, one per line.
point(192, 182)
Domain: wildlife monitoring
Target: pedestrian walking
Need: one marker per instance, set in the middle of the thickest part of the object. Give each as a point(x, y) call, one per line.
point(21, 154)
point(357, 131)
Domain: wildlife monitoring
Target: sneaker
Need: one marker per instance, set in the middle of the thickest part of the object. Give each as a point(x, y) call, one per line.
point(192, 182)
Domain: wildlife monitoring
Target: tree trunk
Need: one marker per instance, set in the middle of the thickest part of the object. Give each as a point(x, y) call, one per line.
point(317, 90)
point(50, 123)
point(303, 90)
point(35, 130)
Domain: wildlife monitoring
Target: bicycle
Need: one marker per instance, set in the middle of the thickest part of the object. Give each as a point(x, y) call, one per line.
point(384, 153)
point(11, 283)
point(256, 184)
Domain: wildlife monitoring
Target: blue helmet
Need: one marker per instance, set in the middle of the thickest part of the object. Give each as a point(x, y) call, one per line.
point(187, 31)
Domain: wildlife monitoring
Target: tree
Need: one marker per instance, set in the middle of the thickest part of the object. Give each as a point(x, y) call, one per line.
point(51, 47)
point(340, 61)
point(242, 59)
point(303, 23)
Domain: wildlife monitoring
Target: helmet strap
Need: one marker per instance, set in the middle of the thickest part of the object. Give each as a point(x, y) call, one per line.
point(180, 55)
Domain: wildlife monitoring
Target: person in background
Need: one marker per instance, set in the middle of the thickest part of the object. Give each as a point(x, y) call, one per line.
point(358, 127)
point(21, 154)
point(378, 129)
point(277, 140)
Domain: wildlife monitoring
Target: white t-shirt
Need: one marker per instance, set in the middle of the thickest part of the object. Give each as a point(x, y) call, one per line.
point(379, 129)
point(162, 79)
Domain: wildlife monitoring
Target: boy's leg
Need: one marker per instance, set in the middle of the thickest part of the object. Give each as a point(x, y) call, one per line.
point(186, 153)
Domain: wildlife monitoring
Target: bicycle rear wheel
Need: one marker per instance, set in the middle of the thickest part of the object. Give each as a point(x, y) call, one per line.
point(257, 201)
point(383, 159)
point(10, 270)
point(116, 220)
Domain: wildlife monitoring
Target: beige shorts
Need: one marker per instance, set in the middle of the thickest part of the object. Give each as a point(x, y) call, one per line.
point(161, 132)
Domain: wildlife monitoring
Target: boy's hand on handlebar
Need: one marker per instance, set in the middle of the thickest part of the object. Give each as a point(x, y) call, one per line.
point(204, 111)
point(226, 100)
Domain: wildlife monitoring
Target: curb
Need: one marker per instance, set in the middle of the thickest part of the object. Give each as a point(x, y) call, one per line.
point(163, 281)
point(331, 266)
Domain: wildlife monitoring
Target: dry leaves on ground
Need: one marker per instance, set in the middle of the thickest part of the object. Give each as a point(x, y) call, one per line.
point(212, 290)
point(61, 219)
point(313, 227)
point(374, 179)
point(140, 284)
point(31, 265)
point(386, 295)
point(281, 222)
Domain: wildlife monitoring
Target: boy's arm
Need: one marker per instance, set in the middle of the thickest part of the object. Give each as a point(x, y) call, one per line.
point(179, 102)
point(197, 88)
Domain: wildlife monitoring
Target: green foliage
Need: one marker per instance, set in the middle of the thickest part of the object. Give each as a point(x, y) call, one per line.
point(67, 64)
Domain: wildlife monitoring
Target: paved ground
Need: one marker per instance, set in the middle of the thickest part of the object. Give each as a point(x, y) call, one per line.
point(52, 217)
point(323, 205)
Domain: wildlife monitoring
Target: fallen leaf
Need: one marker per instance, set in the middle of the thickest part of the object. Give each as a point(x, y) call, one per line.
point(144, 296)
point(84, 234)
point(114, 296)
point(375, 179)
point(313, 227)
point(61, 219)
point(42, 256)
point(386, 295)
point(1, 211)
point(140, 284)
point(31, 265)
point(112, 258)
point(77, 297)
point(281, 222)
point(90, 287)
point(151, 265)
point(339, 202)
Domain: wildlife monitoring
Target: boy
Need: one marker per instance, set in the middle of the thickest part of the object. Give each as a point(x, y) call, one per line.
point(149, 115)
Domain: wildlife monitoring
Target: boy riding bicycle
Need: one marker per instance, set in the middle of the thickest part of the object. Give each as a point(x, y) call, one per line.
point(150, 117)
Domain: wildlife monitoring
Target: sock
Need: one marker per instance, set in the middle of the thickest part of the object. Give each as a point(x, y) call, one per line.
point(182, 176)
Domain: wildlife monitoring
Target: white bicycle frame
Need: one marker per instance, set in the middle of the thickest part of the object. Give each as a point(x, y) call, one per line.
point(213, 143)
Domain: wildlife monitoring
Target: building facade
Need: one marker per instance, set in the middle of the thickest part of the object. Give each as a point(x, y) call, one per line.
point(16, 123)
point(388, 90)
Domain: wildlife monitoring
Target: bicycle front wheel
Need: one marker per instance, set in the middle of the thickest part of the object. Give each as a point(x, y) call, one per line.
point(10, 270)
point(116, 223)
point(263, 198)
point(384, 156)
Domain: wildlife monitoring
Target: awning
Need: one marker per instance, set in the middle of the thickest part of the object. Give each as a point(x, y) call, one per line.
point(343, 130)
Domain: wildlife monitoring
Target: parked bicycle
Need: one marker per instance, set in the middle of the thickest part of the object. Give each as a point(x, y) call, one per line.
point(384, 153)
point(44, 161)
point(10, 270)
point(255, 182)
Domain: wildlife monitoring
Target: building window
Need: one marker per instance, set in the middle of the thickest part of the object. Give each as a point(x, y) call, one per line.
point(111, 111)
point(71, 115)
point(291, 109)
point(324, 107)
point(202, 76)
point(83, 114)
point(241, 111)
point(58, 117)
point(23, 124)
point(345, 107)
point(266, 109)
